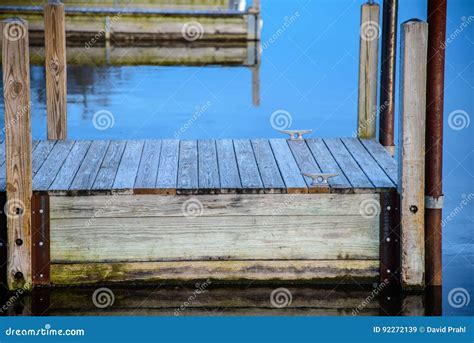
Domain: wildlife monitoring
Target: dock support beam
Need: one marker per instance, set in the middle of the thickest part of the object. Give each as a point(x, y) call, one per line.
point(387, 75)
point(368, 66)
point(55, 65)
point(16, 94)
point(434, 140)
point(411, 183)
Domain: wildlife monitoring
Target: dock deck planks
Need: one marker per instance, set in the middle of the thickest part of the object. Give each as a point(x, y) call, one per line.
point(208, 166)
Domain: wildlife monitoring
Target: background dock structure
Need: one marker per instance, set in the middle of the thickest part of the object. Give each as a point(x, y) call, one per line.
point(82, 212)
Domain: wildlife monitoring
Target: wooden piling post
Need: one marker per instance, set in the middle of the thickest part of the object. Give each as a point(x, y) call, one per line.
point(414, 39)
point(16, 94)
point(55, 65)
point(368, 66)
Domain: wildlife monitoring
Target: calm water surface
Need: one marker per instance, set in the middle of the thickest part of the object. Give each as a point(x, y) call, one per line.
point(310, 71)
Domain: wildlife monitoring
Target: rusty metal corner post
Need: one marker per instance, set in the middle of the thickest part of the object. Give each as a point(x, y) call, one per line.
point(434, 139)
point(18, 160)
point(368, 69)
point(40, 259)
point(411, 183)
point(387, 75)
point(55, 66)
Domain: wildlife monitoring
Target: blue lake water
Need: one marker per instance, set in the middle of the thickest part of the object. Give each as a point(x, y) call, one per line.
point(310, 71)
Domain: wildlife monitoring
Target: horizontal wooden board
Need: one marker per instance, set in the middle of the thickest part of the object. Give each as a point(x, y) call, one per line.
point(212, 238)
point(140, 206)
point(190, 271)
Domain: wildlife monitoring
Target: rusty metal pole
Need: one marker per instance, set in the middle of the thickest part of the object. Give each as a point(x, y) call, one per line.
point(387, 75)
point(434, 140)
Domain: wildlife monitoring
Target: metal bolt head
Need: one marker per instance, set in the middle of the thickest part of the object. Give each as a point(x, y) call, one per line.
point(18, 275)
point(41, 244)
point(413, 209)
point(19, 241)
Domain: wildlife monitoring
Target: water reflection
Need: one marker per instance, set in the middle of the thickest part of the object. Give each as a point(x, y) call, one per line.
point(219, 301)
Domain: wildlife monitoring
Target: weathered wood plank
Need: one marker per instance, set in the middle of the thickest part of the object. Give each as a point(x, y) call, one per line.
point(383, 158)
point(228, 169)
point(411, 184)
point(306, 163)
point(140, 206)
point(267, 166)
point(168, 168)
point(55, 69)
point(208, 169)
point(188, 168)
point(148, 169)
point(289, 169)
point(368, 165)
point(347, 164)
point(18, 165)
point(248, 170)
point(328, 164)
point(50, 168)
point(70, 166)
point(211, 238)
point(41, 153)
point(128, 168)
point(322, 271)
point(2, 153)
point(89, 168)
point(106, 175)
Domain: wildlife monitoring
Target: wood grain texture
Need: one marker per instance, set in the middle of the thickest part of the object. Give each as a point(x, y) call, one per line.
point(322, 271)
point(188, 168)
point(228, 169)
point(267, 166)
point(306, 163)
point(368, 68)
point(41, 153)
point(18, 165)
point(208, 170)
point(149, 205)
point(148, 169)
point(55, 67)
point(248, 170)
point(211, 238)
point(128, 167)
point(90, 166)
point(411, 184)
point(289, 169)
point(383, 158)
point(168, 169)
point(51, 166)
point(106, 175)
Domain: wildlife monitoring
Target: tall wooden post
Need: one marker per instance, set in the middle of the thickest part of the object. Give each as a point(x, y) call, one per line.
point(16, 94)
point(368, 68)
point(55, 65)
point(411, 183)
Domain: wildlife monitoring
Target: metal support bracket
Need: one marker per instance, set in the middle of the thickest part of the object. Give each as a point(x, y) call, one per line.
point(320, 179)
point(434, 203)
point(40, 258)
point(296, 135)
